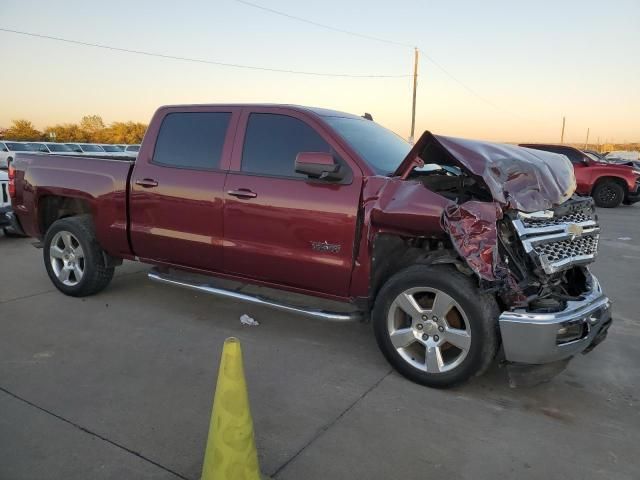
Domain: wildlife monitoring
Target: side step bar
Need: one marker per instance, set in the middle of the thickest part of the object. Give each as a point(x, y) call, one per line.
point(256, 299)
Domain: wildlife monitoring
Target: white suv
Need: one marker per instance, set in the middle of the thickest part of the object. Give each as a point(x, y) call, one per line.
point(8, 151)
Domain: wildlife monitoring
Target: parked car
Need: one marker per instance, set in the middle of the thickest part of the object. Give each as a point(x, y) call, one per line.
point(5, 206)
point(624, 158)
point(5, 201)
point(485, 247)
point(86, 148)
point(610, 185)
point(8, 151)
point(51, 148)
point(628, 156)
point(132, 150)
point(115, 150)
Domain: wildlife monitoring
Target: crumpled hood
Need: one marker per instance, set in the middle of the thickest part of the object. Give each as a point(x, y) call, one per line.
point(520, 178)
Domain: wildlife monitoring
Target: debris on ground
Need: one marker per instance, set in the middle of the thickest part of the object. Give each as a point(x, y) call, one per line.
point(247, 320)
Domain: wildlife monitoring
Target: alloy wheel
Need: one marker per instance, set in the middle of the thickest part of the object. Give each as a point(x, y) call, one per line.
point(429, 329)
point(67, 258)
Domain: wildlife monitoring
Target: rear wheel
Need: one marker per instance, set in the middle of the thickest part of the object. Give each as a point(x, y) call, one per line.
point(434, 326)
point(74, 260)
point(608, 194)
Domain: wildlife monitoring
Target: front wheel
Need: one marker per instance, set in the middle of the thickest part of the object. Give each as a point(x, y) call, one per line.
point(434, 326)
point(608, 194)
point(74, 260)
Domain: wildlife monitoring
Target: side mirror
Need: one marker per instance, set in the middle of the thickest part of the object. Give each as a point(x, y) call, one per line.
point(320, 165)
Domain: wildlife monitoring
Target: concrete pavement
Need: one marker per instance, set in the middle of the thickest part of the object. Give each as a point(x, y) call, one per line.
point(120, 385)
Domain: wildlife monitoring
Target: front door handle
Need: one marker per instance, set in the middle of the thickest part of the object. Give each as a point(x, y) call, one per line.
point(147, 183)
point(243, 193)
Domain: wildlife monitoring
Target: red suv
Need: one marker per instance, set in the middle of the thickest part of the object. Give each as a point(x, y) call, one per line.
point(608, 184)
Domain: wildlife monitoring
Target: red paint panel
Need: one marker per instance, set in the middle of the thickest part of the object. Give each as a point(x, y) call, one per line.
point(180, 221)
point(271, 237)
point(101, 183)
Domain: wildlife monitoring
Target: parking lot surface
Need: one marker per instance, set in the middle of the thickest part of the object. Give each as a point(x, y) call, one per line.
point(120, 385)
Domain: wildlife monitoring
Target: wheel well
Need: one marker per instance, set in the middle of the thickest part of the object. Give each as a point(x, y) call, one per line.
point(54, 208)
point(392, 253)
point(617, 180)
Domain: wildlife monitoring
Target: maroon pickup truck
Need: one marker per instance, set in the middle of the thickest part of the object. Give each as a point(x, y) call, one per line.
point(457, 251)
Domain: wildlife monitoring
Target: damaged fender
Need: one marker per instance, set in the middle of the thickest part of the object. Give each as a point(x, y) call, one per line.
point(518, 178)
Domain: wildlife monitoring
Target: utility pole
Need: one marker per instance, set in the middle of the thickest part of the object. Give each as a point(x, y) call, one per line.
point(415, 87)
point(586, 142)
point(562, 134)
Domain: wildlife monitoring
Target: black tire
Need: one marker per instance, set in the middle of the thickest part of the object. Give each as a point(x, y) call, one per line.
point(608, 194)
point(97, 274)
point(481, 312)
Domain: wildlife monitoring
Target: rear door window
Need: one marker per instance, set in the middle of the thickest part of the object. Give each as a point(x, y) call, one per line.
point(192, 140)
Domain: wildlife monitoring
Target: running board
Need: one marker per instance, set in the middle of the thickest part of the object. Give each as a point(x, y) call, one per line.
point(256, 299)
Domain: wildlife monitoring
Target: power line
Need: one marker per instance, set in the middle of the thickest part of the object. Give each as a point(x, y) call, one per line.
point(322, 25)
point(378, 39)
point(196, 60)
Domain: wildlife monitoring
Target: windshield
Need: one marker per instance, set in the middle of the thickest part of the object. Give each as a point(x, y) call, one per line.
point(18, 147)
point(112, 148)
point(91, 148)
point(382, 149)
point(133, 148)
point(59, 147)
point(592, 156)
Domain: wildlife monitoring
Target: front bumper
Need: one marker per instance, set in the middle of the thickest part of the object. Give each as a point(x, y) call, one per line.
point(633, 197)
point(532, 338)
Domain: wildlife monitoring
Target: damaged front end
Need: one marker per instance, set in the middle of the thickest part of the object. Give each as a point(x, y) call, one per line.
point(514, 219)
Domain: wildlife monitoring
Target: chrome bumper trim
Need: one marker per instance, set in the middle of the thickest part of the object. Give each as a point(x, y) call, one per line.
point(532, 337)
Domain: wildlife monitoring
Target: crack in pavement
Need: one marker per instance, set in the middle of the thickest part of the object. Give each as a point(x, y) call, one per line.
point(326, 427)
point(94, 434)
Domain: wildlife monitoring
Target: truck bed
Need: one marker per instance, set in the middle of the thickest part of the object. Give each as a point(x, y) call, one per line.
point(98, 183)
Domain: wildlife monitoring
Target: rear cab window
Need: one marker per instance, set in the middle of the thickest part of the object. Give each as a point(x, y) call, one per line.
point(191, 140)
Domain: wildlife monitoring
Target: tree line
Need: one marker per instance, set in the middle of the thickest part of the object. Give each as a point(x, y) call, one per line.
point(91, 129)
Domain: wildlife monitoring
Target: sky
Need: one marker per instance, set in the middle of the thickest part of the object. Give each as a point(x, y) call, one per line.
point(520, 66)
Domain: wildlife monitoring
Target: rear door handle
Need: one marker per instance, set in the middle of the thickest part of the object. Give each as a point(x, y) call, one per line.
point(243, 193)
point(147, 183)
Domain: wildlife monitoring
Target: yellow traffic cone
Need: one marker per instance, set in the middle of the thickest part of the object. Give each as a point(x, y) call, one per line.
point(231, 448)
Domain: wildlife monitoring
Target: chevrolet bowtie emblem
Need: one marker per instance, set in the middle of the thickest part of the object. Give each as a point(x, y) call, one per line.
point(574, 231)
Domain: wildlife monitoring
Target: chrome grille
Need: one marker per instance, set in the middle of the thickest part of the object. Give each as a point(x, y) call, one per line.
point(558, 242)
point(577, 217)
point(567, 250)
